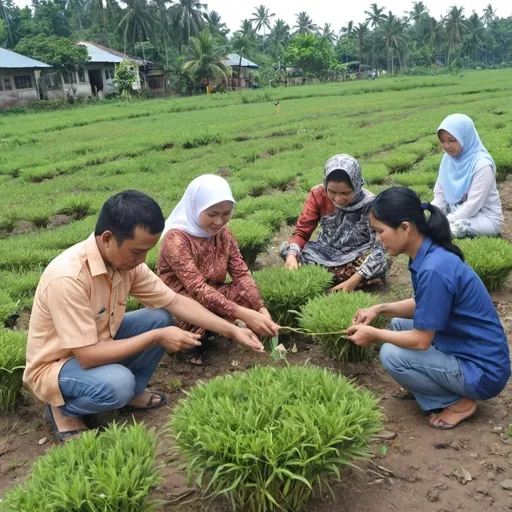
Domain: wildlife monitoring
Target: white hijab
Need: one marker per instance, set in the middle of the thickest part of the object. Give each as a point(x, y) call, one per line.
point(203, 192)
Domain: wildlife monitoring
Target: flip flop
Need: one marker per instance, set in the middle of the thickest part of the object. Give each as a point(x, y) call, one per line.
point(60, 436)
point(150, 405)
point(448, 426)
point(403, 394)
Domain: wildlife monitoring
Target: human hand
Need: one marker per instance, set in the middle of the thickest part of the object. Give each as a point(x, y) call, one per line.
point(258, 322)
point(365, 316)
point(361, 335)
point(248, 339)
point(174, 339)
point(346, 286)
point(291, 262)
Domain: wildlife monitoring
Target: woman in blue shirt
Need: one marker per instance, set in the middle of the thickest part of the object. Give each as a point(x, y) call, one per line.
point(446, 345)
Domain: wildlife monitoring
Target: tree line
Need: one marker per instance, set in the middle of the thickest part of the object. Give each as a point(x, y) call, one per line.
point(191, 40)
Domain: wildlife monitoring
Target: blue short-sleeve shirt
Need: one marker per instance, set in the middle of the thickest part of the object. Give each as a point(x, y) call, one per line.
point(452, 301)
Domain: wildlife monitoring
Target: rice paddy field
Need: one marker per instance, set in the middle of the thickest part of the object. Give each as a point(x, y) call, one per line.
point(57, 168)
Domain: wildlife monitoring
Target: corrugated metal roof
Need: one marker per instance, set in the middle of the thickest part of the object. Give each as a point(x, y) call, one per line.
point(11, 60)
point(233, 60)
point(97, 54)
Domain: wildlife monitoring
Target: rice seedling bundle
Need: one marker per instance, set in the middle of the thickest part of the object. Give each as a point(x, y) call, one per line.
point(13, 346)
point(112, 471)
point(333, 314)
point(374, 173)
point(490, 258)
point(269, 438)
point(286, 291)
point(399, 162)
point(272, 218)
point(415, 178)
point(252, 237)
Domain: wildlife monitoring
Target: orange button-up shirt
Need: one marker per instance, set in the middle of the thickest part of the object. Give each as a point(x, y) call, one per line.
point(78, 304)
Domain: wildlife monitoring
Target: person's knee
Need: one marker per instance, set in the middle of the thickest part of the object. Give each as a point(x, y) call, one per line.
point(119, 389)
point(390, 356)
point(161, 318)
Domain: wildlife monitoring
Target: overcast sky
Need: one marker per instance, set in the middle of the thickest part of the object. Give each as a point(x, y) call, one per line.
point(334, 12)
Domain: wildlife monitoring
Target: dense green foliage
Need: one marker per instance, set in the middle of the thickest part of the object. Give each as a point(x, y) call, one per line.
point(285, 292)
point(12, 363)
point(268, 438)
point(114, 470)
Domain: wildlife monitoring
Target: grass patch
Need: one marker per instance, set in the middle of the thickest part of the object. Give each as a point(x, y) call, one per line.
point(399, 162)
point(272, 218)
point(112, 471)
point(490, 258)
point(415, 178)
point(285, 291)
point(252, 237)
point(13, 346)
point(374, 174)
point(268, 438)
point(332, 314)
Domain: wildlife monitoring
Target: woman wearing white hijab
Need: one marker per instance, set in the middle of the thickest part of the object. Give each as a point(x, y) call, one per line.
point(466, 188)
point(199, 251)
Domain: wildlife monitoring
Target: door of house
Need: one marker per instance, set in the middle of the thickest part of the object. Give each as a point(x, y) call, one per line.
point(96, 80)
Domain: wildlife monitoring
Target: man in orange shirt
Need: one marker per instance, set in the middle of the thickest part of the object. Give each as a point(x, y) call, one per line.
point(84, 354)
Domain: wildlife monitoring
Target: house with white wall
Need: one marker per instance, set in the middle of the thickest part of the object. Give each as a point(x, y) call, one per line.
point(18, 79)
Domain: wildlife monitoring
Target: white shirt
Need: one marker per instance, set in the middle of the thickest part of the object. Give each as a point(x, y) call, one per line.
point(482, 197)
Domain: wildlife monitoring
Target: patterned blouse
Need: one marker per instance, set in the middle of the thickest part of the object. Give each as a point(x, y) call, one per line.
point(197, 267)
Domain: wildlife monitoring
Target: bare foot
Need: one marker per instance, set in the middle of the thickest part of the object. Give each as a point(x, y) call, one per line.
point(67, 423)
point(145, 399)
point(453, 415)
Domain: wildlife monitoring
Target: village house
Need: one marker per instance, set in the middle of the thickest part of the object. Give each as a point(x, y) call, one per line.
point(240, 70)
point(96, 78)
point(18, 79)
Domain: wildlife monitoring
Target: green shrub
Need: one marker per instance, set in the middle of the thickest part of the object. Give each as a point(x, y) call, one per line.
point(112, 471)
point(13, 345)
point(414, 178)
point(285, 291)
point(490, 258)
point(373, 173)
point(268, 438)
point(332, 314)
point(399, 162)
point(272, 218)
point(252, 237)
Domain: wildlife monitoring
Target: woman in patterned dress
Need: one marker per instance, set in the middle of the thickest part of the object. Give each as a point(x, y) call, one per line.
point(346, 245)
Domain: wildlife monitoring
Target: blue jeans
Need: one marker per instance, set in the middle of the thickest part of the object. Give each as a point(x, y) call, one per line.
point(434, 378)
point(112, 386)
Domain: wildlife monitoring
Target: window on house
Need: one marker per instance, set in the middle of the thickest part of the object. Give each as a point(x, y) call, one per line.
point(81, 76)
point(69, 77)
point(109, 74)
point(7, 84)
point(23, 82)
point(52, 81)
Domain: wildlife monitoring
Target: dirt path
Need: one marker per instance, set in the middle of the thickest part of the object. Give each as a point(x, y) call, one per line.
point(423, 469)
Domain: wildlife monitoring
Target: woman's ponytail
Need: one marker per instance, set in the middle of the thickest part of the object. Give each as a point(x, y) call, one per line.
point(438, 230)
point(397, 205)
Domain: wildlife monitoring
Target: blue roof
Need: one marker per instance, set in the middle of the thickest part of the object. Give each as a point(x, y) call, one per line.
point(233, 60)
point(11, 60)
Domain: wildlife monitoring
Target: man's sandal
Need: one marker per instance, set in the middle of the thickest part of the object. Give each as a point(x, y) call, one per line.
point(61, 436)
point(151, 404)
point(443, 425)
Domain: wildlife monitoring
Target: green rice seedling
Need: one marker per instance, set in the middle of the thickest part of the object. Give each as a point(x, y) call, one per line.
point(269, 438)
point(19, 285)
point(425, 193)
point(399, 162)
point(252, 237)
point(414, 178)
point(8, 222)
point(285, 292)
point(272, 218)
point(289, 203)
point(503, 160)
point(133, 304)
point(490, 258)
point(40, 218)
point(420, 148)
point(13, 345)
point(333, 314)
point(373, 173)
point(114, 470)
point(429, 164)
point(8, 307)
point(77, 208)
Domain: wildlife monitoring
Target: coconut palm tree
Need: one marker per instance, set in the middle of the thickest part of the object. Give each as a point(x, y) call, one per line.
point(280, 35)
point(489, 14)
point(160, 6)
point(188, 18)
point(205, 58)
point(418, 13)
point(304, 24)
point(475, 36)
point(393, 37)
point(136, 23)
point(262, 18)
point(361, 33)
point(328, 33)
point(375, 16)
point(217, 27)
point(456, 29)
